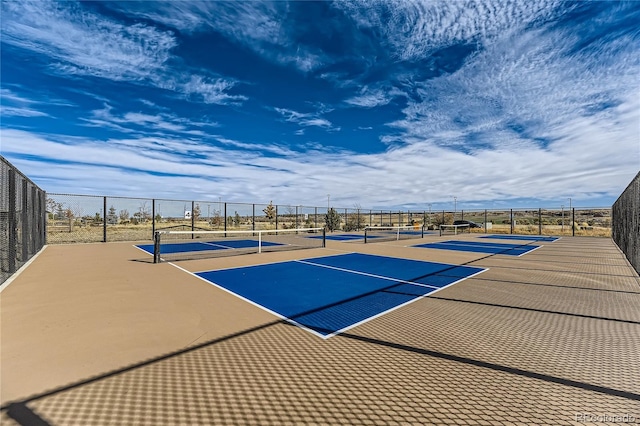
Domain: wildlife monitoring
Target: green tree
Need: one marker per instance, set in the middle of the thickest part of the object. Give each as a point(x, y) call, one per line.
point(332, 220)
point(270, 212)
point(236, 219)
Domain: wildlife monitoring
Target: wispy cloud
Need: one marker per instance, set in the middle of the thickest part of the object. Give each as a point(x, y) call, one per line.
point(144, 124)
point(247, 175)
point(80, 42)
point(259, 26)
point(368, 98)
point(417, 28)
point(306, 119)
point(14, 105)
point(83, 43)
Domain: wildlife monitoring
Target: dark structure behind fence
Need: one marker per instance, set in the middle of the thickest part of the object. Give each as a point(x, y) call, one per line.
point(626, 222)
point(23, 219)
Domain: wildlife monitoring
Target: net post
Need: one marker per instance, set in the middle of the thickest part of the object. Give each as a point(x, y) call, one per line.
point(156, 247)
point(365, 235)
point(324, 237)
point(422, 231)
point(259, 241)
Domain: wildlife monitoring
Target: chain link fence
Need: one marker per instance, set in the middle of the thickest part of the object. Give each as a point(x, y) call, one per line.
point(88, 218)
point(22, 219)
point(626, 222)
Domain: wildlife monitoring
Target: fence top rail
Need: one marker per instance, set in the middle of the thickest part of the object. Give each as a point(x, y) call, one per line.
point(22, 175)
point(339, 210)
point(623, 194)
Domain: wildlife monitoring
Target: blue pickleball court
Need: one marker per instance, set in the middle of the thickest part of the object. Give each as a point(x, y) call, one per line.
point(328, 295)
point(481, 247)
point(201, 246)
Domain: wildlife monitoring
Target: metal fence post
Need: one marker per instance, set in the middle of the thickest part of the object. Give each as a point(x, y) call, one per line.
point(539, 221)
point(12, 222)
point(193, 217)
point(276, 216)
point(104, 219)
point(153, 219)
point(25, 221)
point(511, 220)
point(573, 222)
point(43, 218)
point(35, 222)
point(485, 221)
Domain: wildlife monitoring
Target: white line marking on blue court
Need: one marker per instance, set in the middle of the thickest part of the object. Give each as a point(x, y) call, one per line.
point(365, 274)
point(257, 305)
point(326, 336)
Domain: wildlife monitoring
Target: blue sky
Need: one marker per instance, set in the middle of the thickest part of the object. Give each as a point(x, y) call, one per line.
point(381, 104)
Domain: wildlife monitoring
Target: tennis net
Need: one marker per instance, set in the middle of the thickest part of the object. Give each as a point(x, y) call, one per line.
point(455, 229)
point(187, 245)
point(392, 233)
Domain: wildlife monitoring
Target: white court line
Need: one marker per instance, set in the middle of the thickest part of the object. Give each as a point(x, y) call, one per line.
point(264, 308)
point(342, 330)
point(326, 336)
point(21, 269)
point(365, 274)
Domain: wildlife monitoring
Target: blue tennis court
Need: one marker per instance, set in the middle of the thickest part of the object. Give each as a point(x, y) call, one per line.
point(198, 246)
point(481, 247)
point(328, 295)
point(522, 237)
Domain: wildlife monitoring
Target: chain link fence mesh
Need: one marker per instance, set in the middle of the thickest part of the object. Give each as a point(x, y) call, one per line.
point(22, 219)
point(88, 218)
point(626, 222)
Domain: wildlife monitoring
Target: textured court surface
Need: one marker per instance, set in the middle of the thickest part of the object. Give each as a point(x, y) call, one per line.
point(94, 334)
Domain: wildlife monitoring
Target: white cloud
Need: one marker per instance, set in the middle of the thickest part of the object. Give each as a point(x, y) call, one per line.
point(306, 119)
point(14, 105)
point(370, 98)
point(260, 26)
point(145, 124)
point(82, 43)
point(418, 174)
point(416, 28)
